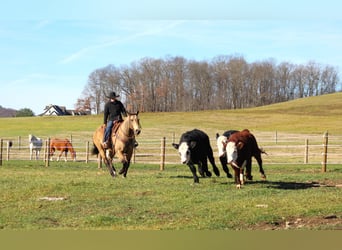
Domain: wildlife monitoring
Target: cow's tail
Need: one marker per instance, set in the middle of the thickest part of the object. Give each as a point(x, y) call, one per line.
point(262, 151)
point(94, 150)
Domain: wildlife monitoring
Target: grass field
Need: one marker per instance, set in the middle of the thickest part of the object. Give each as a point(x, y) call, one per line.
point(293, 197)
point(149, 199)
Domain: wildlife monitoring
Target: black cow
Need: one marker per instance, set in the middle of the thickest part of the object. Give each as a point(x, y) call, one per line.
point(194, 148)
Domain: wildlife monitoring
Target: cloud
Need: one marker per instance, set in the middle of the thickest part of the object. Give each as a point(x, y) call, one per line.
point(157, 28)
point(41, 24)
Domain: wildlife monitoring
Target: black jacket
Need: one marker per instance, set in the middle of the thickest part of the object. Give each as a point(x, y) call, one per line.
point(113, 111)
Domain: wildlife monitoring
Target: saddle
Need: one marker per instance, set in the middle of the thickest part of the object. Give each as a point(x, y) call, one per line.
point(116, 127)
point(114, 130)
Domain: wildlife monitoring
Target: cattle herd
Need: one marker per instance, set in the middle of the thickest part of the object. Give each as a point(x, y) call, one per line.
point(235, 148)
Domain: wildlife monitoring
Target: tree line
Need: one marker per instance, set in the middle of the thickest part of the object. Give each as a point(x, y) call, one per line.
point(224, 82)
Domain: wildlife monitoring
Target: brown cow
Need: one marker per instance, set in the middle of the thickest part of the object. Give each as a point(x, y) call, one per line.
point(242, 146)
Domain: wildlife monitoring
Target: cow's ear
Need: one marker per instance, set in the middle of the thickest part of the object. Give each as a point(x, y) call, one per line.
point(217, 135)
point(175, 145)
point(192, 144)
point(240, 145)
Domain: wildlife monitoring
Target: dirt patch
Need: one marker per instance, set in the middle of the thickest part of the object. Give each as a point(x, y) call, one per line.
point(328, 222)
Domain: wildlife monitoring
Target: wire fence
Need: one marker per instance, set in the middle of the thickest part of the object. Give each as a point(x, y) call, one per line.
point(281, 148)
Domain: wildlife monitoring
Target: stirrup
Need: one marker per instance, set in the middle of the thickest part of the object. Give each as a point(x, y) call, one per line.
point(105, 145)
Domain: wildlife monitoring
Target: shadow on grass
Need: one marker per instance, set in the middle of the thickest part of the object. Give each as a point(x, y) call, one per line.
point(284, 185)
point(290, 185)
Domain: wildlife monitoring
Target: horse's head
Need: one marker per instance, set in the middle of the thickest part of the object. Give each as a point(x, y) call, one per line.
point(134, 122)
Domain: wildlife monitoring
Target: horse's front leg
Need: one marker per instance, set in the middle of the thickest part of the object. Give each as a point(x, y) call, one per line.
point(125, 164)
point(59, 155)
point(110, 166)
point(65, 156)
point(51, 154)
point(124, 169)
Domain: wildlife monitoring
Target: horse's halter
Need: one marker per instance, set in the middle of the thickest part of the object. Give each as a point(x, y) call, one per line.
point(131, 128)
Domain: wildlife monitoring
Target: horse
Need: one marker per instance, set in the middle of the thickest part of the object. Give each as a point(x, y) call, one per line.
point(36, 144)
point(123, 141)
point(62, 145)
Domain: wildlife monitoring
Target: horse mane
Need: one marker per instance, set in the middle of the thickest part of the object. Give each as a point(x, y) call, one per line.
point(32, 138)
point(70, 147)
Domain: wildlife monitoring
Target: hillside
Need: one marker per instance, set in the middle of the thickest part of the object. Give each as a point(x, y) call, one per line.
point(313, 115)
point(7, 112)
point(306, 115)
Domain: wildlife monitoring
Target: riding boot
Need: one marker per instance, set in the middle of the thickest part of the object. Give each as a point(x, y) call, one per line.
point(105, 144)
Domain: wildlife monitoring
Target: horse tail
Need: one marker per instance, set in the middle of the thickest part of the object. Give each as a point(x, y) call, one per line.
point(95, 150)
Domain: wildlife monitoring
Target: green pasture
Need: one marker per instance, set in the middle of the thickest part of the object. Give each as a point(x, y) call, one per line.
point(313, 115)
point(293, 197)
point(80, 196)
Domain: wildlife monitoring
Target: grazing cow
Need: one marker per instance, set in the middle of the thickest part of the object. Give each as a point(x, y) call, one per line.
point(194, 148)
point(36, 144)
point(241, 146)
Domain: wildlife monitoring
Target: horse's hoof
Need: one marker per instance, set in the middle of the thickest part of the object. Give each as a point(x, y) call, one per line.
point(217, 172)
point(249, 177)
point(238, 186)
point(263, 177)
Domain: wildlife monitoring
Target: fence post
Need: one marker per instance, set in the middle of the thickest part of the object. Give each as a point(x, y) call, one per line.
point(47, 152)
point(162, 153)
point(325, 152)
point(19, 142)
point(134, 155)
point(1, 145)
point(87, 152)
point(8, 151)
point(306, 155)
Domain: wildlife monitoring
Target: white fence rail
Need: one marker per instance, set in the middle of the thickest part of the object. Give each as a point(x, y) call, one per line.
point(280, 149)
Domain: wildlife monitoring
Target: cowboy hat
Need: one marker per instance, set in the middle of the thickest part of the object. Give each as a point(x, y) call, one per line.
point(113, 95)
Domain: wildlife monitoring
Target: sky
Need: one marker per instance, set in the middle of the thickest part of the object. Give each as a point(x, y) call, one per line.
point(48, 50)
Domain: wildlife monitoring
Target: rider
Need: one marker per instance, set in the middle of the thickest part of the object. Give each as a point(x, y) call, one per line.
point(113, 111)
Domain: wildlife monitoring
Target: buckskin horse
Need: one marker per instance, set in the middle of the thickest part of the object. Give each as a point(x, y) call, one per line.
point(122, 145)
point(62, 145)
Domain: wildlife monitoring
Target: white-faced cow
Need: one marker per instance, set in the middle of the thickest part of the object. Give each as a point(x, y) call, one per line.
point(194, 148)
point(241, 146)
point(221, 142)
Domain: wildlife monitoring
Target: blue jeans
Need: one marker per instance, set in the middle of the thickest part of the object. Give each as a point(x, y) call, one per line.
point(108, 130)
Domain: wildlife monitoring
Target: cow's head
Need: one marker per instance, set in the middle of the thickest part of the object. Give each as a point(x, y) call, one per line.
point(232, 151)
point(221, 142)
point(184, 150)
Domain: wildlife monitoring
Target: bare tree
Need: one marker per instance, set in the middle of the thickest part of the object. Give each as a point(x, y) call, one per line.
point(176, 84)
